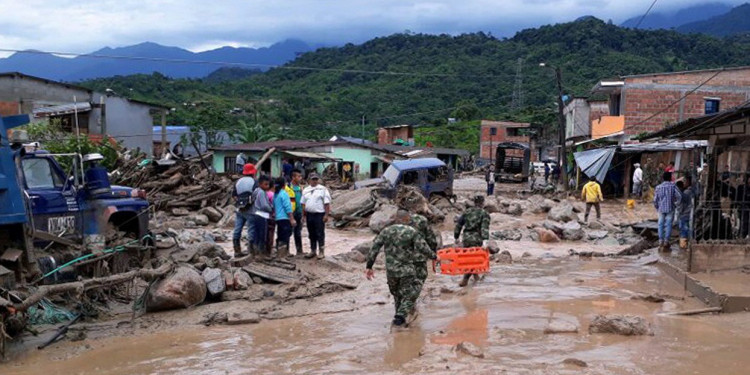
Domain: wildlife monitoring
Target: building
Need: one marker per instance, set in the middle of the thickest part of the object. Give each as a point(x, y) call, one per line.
point(494, 132)
point(180, 135)
point(365, 161)
point(456, 158)
point(579, 113)
point(396, 134)
point(650, 102)
point(126, 120)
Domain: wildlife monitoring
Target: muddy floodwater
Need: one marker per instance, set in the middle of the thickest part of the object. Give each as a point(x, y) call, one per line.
point(505, 315)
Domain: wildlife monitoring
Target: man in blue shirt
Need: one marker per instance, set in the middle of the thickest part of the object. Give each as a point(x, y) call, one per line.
point(282, 206)
point(666, 198)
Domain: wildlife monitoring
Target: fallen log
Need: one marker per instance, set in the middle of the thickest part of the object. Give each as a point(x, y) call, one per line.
point(637, 248)
point(84, 285)
point(697, 311)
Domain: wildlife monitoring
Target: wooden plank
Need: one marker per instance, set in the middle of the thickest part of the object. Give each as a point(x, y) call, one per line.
point(44, 236)
point(276, 274)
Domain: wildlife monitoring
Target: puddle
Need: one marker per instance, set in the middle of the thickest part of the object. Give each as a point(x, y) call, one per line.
point(505, 315)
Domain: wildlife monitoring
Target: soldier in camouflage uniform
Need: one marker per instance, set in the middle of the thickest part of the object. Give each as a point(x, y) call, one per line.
point(422, 225)
point(402, 245)
point(475, 223)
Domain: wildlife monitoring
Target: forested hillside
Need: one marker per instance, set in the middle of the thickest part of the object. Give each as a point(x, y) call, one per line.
point(438, 76)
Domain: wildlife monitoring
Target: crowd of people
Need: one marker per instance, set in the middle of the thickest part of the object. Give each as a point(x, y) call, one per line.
point(277, 208)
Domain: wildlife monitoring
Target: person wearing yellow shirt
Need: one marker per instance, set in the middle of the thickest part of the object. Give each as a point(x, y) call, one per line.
point(592, 195)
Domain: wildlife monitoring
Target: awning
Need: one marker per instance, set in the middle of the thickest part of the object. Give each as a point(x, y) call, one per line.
point(311, 155)
point(595, 163)
point(662, 146)
point(383, 159)
point(63, 109)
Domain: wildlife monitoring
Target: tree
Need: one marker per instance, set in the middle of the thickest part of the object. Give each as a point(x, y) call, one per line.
point(255, 132)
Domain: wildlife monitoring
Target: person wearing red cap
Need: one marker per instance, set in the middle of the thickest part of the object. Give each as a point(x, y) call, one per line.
point(242, 194)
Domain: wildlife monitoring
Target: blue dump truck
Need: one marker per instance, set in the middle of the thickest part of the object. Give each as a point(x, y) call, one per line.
point(49, 214)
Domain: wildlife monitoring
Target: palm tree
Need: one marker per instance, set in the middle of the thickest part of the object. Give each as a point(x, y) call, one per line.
point(254, 133)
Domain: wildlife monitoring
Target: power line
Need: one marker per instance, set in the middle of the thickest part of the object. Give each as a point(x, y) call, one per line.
point(645, 14)
point(251, 65)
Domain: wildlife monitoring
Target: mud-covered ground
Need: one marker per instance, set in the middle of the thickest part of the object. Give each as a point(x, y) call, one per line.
point(320, 328)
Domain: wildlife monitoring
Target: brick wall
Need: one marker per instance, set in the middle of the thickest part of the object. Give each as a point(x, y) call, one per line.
point(386, 136)
point(8, 108)
point(487, 140)
point(648, 95)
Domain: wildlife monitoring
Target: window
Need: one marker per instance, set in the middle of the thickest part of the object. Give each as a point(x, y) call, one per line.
point(39, 174)
point(712, 105)
point(493, 131)
point(411, 178)
point(614, 104)
point(230, 165)
point(437, 174)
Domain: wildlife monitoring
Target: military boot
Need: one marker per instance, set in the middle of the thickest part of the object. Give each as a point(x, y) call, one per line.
point(322, 252)
point(237, 247)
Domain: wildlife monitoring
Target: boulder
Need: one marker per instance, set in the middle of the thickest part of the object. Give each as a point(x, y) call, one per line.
point(350, 202)
point(215, 283)
point(514, 209)
point(594, 235)
point(242, 280)
point(554, 226)
point(575, 362)
point(535, 204)
point(596, 225)
point(437, 214)
point(363, 248)
point(504, 257)
point(356, 256)
point(383, 217)
point(183, 288)
point(493, 246)
point(491, 207)
point(626, 325)
point(562, 212)
point(507, 235)
point(572, 231)
point(578, 207)
point(410, 198)
point(180, 212)
point(209, 250)
point(212, 213)
point(468, 348)
point(200, 220)
point(560, 326)
point(547, 236)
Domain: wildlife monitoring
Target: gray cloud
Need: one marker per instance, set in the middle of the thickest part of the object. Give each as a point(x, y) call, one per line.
point(82, 26)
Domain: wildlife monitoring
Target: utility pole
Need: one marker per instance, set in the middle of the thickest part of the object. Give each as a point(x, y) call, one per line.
point(363, 127)
point(561, 129)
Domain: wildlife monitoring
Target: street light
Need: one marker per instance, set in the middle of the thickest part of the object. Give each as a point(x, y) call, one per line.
point(561, 124)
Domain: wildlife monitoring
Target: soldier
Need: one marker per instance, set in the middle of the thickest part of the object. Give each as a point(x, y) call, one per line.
point(402, 244)
point(475, 223)
point(422, 225)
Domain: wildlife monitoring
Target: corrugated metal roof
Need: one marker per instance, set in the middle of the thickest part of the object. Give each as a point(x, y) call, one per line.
point(595, 163)
point(311, 155)
point(62, 109)
point(662, 146)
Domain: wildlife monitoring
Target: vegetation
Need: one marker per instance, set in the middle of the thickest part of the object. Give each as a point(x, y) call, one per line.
point(57, 141)
point(468, 77)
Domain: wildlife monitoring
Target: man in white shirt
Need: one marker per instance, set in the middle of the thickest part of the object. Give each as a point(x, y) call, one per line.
point(316, 205)
point(637, 180)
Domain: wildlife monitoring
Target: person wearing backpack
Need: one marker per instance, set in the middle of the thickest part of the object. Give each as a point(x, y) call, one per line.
point(242, 194)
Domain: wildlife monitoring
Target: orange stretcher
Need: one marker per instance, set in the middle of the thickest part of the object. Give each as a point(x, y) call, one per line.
point(460, 261)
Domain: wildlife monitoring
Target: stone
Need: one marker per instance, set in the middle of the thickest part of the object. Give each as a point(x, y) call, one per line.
point(242, 280)
point(562, 212)
point(183, 288)
point(560, 326)
point(578, 207)
point(507, 235)
point(383, 217)
point(242, 317)
point(526, 254)
point(228, 280)
point(215, 283)
point(504, 257)
point(594, 235)
point(356, 256)
point(257, 280)
point(572, 231)
point(200, 220)
point(575, 362)
point(493, 246)
point(654, 298)
point(180, 211)
point(210, 250)
point(535, 204)
point(350, 202)
point(437, 214)
point(547, 236)
point(626, 325)
point(596, 225)
point(212, 213)
point(363, 248)
point(514, 209)
point(468, 348)
point(554, 226)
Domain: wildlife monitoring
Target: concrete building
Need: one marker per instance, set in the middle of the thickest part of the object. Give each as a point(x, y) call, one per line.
point(650, 102)
point(579, 113)
point(126, 120)
point(390, 135)
point(494, 132)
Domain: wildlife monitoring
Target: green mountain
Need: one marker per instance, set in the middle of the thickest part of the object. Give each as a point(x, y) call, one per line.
point(433, 77)
point(735, 22)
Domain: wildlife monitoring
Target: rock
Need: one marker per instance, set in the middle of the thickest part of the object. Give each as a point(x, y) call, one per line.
point(547, 236)
point(257, 280)
point(554, 226)
point(446, 290)
point(183, 288)
point(626, 325)
point(363, 248)
point(356, 256)
point(350, 202)
point(575, 362)
point(180, 212)
point(572, 231)
point(578, 207)
point(494, 247)
point(560, 326)
point(242, 280)
point(504, 257)
point(491, 207)
point(594, 235)
point(214, 281)
point(508, 235)
point(209, 250)
point(655, 298)
point(228, 280)
point(242, 317)
point(437, 214)
point(213, 214)
point(526, 254)
point(535, 204)
point(200, 220)
point(596, 225)
point(514, 209)
point(383, 217)
point(468, 348)
point(563, 212)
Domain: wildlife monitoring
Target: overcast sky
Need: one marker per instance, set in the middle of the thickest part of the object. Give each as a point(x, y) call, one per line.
point(84, 26)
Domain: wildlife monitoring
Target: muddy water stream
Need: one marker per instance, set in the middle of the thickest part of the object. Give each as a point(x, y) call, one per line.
point(505, 315)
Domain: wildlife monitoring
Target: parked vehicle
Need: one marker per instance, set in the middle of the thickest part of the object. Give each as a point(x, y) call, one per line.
point(512, 162)
point(41, 203)
point(432, 176)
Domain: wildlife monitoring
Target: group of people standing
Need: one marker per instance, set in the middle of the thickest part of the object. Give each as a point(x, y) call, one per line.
point(279, 206)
